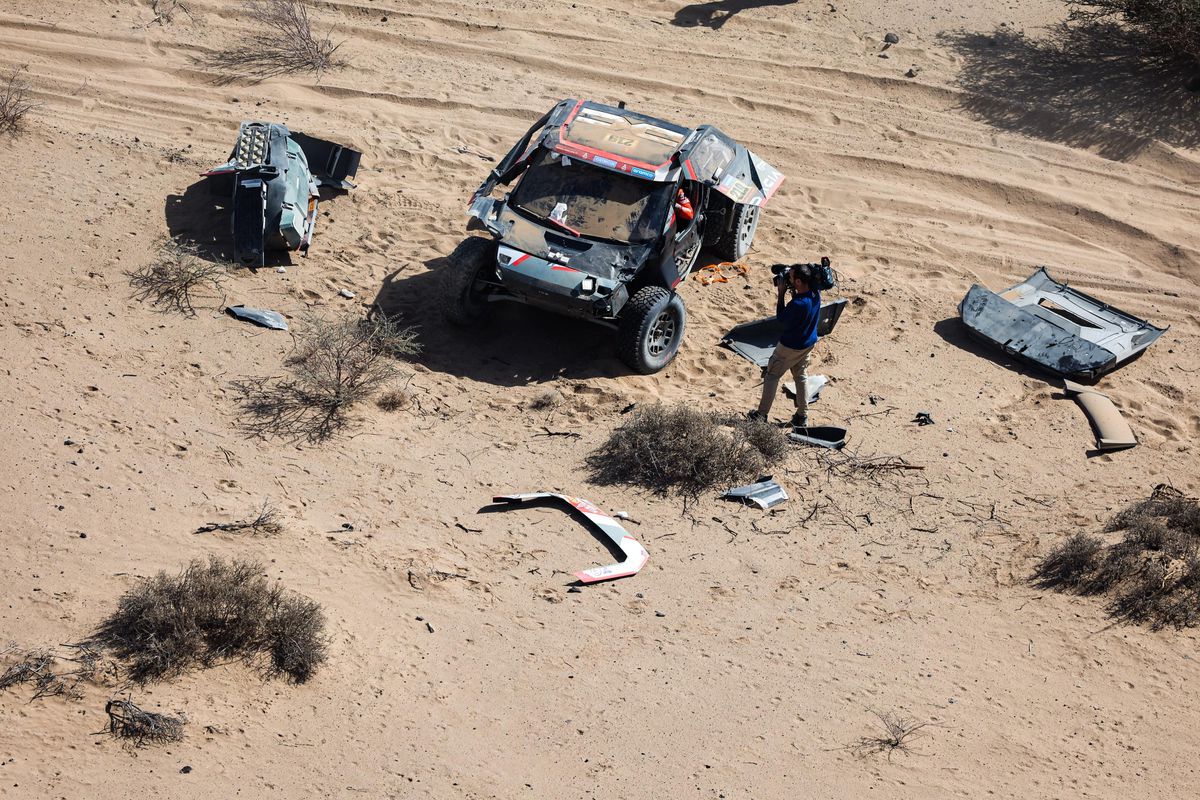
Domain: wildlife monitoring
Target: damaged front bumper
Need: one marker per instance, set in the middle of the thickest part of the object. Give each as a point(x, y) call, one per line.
point(557, 286)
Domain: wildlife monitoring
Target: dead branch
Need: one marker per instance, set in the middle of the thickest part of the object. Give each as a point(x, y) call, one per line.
point(140, 728)
point(268, 522)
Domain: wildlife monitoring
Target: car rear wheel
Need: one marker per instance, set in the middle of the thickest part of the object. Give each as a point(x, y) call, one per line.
point(736, 241)
point(651, 329)
point(465, 292)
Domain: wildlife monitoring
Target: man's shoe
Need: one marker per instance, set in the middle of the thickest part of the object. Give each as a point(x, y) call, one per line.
point(754, 416)
point(799, 420)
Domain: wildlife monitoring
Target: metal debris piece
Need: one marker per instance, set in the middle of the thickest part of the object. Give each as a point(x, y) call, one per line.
point(1112, 431)
point(260, 316)
point(755, 341)
point(1058, 328)
point(346, 293)
point(814, 385)
point(923, 418)
point(635, 555)
point(827, 436)
point(765, 493)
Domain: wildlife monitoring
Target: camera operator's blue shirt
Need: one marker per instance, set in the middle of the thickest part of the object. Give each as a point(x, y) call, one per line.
point(799, 319)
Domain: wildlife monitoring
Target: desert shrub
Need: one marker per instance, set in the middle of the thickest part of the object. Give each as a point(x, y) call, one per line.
point(337, 365)
point(1069, 563)
point(15, 101)
point(896, 735)
point(394, 400)
point(546, 401)
point(677, 448)
point(295, 633)
point(284, 43)
point(1151, 575)
point(176, 274)
point(140, 728)
point(1169, 26)
point(212, 612)
point(764, 437)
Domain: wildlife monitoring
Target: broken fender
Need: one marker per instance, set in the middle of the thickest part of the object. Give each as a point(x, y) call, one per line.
point(635, 554)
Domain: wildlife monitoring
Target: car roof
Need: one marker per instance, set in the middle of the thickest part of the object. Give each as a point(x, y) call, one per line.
point(638, 141)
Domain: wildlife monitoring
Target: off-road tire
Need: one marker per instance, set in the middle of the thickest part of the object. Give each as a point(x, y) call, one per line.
point(736, 242)
point(463, 303)
point(651, 329)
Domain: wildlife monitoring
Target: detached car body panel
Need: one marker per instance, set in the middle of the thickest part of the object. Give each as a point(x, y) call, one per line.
point(273, 178)
point(1056, 327)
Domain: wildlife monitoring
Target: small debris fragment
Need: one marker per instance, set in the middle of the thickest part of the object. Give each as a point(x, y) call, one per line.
point(346, 293)
point(259, 316)
point(912, 71)
point(281, 269)
point(185, 770)
point(429, 627)
point(659, 614)
point(574, 590)
point(891, 38)
point(923, 418)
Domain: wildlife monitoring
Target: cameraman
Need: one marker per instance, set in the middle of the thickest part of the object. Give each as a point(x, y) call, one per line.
point(799, 318)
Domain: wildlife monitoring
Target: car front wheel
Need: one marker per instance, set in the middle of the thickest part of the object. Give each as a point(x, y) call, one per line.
point(651, 329)
point(465, 291)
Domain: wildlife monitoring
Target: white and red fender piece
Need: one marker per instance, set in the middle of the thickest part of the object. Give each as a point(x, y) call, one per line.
point(635, 555)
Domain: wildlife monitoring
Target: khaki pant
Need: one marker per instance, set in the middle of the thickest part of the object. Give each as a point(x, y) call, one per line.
point(783, 360)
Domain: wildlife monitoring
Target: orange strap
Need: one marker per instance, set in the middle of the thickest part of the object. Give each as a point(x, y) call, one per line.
point(716, 273)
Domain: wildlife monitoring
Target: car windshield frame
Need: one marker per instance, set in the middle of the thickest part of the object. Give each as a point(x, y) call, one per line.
point(635, 209)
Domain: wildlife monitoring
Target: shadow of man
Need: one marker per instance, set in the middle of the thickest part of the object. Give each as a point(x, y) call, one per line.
point(716, 13)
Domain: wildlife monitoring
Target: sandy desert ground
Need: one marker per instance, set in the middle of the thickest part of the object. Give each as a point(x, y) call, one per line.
point(751, 651)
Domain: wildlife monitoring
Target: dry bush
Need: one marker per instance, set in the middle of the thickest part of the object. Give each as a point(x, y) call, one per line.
point(140, 728)
point(295, 633)
point(1069, 563)
point(1152, 575)
point(177, 273)
point(210, 613)
point(164, 11)
point(15, 101)
point(337, 365)
point(546, 401)
point(267, 522)
point(285, 43)
point(394, 400)
point(1170, 27)
point(40, 668)
point(677, 448)
point(898, 731)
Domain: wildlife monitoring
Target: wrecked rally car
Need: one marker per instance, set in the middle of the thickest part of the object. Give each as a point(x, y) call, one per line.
point(608, 216)
point(272, 178)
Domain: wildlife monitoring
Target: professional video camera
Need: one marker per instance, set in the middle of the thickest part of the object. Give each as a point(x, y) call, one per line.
point(818, 276)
